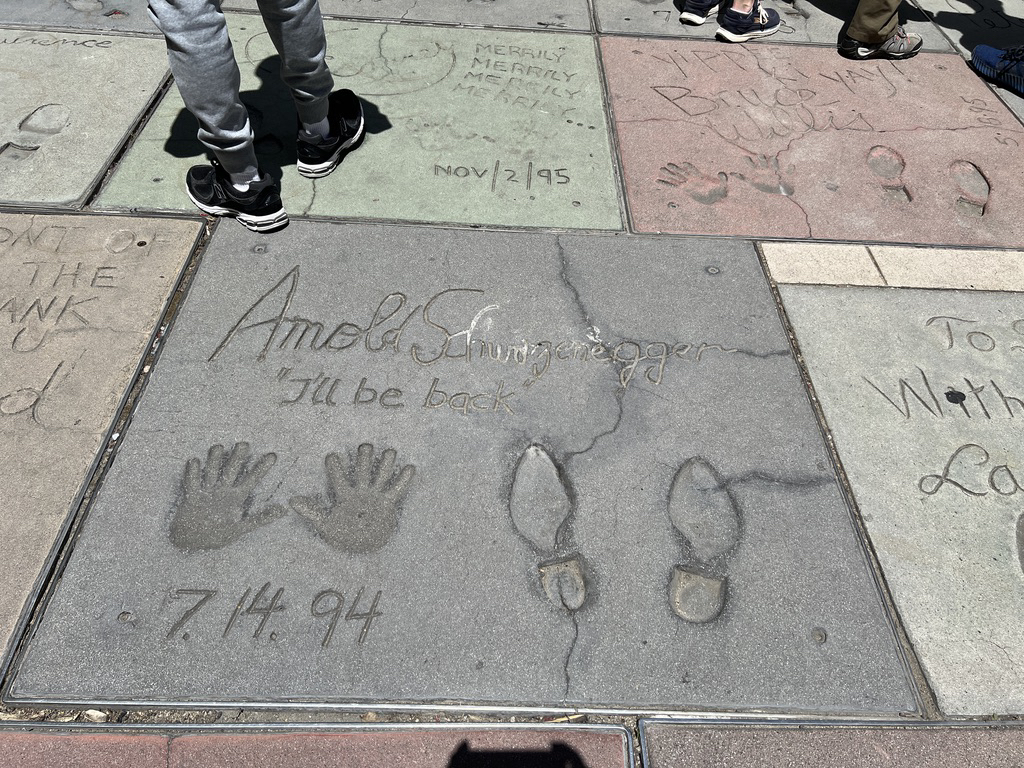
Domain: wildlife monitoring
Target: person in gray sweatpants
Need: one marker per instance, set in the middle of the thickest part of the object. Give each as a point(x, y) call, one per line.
point(207, 76)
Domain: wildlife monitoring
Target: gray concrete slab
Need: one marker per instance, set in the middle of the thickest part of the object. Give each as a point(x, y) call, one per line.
point(463, 126)
point(79, 300)
point(920, 389)
point(969, 22)
point(803, 21)
point(528, 14)
point(79, 15)
point(617, 496)
point(54, 142)
point(764, 745)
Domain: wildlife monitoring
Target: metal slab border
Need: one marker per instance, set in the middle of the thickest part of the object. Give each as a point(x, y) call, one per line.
point(55, 561)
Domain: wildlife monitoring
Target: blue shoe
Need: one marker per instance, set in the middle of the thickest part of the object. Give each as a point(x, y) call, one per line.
point(698, 11)
point(1004, 68)
point(739, 27)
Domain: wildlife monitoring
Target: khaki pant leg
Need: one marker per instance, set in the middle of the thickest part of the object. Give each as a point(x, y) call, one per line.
point(874, 21)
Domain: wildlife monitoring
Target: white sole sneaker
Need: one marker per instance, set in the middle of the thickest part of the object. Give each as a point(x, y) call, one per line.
point(319, 170)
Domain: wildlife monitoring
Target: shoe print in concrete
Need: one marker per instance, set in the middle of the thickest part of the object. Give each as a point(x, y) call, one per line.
point(527, 14)
point(765, 745)
point(54, 143)
point(774, 140)
point(79, 15)
point(519, 415)
point(921, 392)
point(466, 126)
point(80, 301)
point(802, 21)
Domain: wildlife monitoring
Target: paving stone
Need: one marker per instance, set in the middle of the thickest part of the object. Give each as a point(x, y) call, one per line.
point(766, 746)
point(94, 750)
point(969, 22)
point(619, 480)
point(828, 263)
point(920, 389)
point(417, 748)
point(466, 126)
point(950, 268)
point(802, 21)
point(80, 299)
point(79, 15)
point(533, 14)
point(54, 143)
point(769, 140)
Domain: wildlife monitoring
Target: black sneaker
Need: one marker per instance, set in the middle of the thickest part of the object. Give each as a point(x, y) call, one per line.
point(698, 11)
point(319, 156)
point(899, 45)
point(739, 27)
point(259, 208)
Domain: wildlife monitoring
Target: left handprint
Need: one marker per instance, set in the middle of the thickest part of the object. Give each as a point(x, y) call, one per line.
point(215, 507)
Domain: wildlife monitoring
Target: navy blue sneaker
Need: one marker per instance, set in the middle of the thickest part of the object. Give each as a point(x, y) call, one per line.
point(739, 27)
point(698, 11)
point(1004, 68)
point(318, 156)
point(259, 208)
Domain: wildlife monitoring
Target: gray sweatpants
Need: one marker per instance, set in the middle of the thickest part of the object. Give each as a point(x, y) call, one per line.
point(206, 73)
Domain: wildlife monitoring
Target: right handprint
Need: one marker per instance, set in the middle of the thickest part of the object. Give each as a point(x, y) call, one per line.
point(363, 501)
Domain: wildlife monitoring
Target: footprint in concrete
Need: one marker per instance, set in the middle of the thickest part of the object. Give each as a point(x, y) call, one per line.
point(364, 500)
point(35, 129)
point(888, 165)
point(542, 512)
point(215, 508)
point(763, 173)
point(698, 185)
point(974, 187)
point(703, 511)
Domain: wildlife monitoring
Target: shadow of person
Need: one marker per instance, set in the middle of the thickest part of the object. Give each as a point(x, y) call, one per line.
point(558, 755)
point(975, 23)
point(273, 120)
point(843, 10)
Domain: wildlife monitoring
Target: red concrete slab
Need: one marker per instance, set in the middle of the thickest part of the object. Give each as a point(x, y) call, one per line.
point(793, 141)
point(422, 748)
point(77, 750)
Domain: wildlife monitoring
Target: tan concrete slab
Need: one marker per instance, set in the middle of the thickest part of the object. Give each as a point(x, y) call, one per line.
point(821, 263)
point(464, 126)
point(793, 142)
point(764, 745)
point(79, 300)
point(54, 140)
point(922, 391)
point(955, 268)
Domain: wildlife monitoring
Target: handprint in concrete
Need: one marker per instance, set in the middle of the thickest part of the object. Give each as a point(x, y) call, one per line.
point(703, 511)
point(216, 504)
point(364, 500)
point(542, 512)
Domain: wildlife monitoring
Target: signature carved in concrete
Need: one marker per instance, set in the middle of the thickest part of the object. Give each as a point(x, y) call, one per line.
point(542, 509)
point(704, 512)
point(216, 503)
point(363, 502)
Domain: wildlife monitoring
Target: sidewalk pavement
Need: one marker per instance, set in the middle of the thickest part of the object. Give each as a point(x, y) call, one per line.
point(619, 374)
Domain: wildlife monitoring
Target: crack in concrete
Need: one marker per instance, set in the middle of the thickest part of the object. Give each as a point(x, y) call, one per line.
point(312, 198)
point(568, 656)
point(411, 9)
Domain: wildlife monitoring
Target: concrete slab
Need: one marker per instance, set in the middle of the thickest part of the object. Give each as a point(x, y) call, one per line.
point(79, 15)
point(94, 750)
point(824, 263)
point(953, 268)
point(772, 141)
point(465, 126)
point(421, 748)
point(54, 143)
point(529, 14)
point(80, 300)
point(803, 21)
point(920, 389)
point(969, 23)
point(765, 746)
point(322, 514)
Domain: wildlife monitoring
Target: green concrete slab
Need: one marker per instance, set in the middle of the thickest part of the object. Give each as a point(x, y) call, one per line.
point(464, 126)
point(54, 141)
point(923, 392)
point(532, 14)
point(79, 301)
